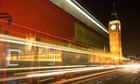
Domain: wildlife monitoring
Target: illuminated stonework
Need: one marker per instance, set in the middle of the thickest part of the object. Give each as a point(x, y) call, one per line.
point(115, 38)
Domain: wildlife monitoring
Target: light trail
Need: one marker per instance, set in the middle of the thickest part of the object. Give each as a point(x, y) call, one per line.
point(49, 67)
point(69, 71)
point(62, 71)
point(90, 76)
point(130, 66)
point(46, 73)
point(21, 41)
point(76, 5)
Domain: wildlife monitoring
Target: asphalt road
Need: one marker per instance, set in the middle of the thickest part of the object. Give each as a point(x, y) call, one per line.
point(127, 76)
point(101, 75)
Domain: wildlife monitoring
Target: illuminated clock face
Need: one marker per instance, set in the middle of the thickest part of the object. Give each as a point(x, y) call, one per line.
point(113, 27)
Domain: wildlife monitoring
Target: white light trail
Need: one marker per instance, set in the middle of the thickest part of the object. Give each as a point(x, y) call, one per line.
point(68, 71)
point(86, 14)
point(49, 67)
point(21, 41)
point(52, 72)
point(44, 74)
point(131, 66)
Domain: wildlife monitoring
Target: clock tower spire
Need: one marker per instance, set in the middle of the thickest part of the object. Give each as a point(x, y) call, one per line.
point(115, 34)
point(114, 14)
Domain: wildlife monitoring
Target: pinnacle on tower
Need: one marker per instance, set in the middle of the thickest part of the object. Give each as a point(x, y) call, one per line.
point(114, 14)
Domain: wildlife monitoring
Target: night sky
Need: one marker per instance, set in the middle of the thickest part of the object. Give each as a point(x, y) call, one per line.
point(129, 13)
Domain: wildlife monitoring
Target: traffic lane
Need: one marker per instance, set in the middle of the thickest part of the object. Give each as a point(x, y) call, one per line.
point(47, 73)
point(124, 77)
point(127, 77)
point(99, 79)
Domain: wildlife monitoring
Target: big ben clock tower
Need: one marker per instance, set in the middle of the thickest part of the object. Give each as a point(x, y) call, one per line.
point(115, 34)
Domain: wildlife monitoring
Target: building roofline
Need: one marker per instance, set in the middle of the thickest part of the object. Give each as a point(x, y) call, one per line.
point(78, 11)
